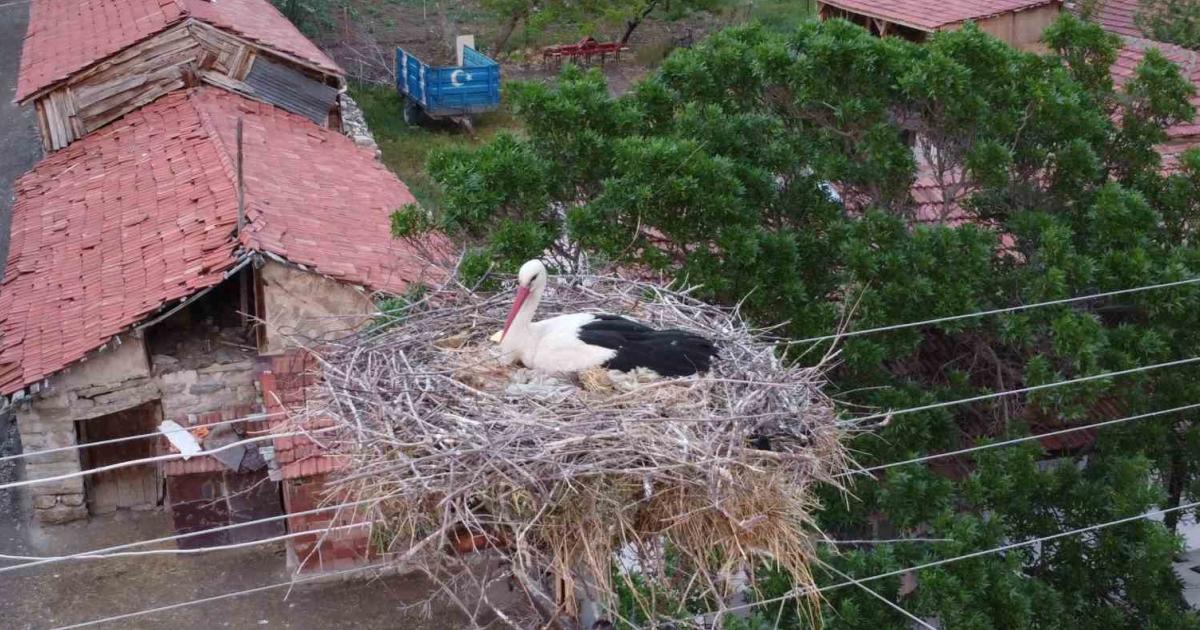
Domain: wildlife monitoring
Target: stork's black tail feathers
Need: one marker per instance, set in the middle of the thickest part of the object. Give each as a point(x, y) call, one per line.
point(667, 352)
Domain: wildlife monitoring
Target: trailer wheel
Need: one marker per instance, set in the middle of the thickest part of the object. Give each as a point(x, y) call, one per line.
point(414, 116)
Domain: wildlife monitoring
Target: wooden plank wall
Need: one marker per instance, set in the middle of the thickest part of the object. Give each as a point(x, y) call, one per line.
point(178, 57)
point(173, 59)
point(124, 488)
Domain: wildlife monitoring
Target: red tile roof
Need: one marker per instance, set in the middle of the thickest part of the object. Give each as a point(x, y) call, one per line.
point(66, 36)
point(931, 15)
point(1116, 16)
point(143, 213)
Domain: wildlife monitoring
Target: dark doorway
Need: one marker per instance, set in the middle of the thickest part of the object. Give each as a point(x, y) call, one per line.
point(131, 487)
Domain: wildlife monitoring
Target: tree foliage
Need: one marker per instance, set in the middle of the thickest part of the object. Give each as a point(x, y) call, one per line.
point(718, 169)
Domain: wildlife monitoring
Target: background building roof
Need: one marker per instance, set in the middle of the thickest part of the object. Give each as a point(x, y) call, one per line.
point(143, 213)
point(930, 15)
point(66, 36)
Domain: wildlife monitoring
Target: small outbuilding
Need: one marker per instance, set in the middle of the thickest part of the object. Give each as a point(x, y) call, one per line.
point(170, 267)
point(86, 64)
point(1018, 22)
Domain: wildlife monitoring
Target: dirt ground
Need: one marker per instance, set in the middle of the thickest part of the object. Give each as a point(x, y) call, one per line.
point(61, 594)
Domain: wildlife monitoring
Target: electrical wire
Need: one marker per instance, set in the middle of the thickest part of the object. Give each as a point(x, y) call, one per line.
point(257, 417)
point(823, 337)
point(872, 593)
point(1022, 390)
point(157, 458)
point(995, 311)
point(968, 556)
point(148, 611)
point(784, 597)
point(197, 550)
point(859, 420)
point(105, 552)
point(1027, 438)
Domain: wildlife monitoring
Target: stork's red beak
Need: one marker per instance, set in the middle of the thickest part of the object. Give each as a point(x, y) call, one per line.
point(522, 293)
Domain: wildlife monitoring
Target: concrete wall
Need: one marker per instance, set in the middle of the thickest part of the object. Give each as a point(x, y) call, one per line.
point(303, 309)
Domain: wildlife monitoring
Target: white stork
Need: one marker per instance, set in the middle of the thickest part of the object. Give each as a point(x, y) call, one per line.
point(579, 341)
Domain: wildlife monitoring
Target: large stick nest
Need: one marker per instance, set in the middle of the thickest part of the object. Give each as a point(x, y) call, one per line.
point(680, 485)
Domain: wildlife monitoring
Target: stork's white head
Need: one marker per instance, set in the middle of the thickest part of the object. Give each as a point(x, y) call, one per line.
point(532, 275)
point(530, 279)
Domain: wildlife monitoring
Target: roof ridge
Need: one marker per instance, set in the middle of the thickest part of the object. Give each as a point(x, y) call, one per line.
point(224, 155)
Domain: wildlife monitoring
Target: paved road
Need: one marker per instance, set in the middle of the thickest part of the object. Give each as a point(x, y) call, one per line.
point(19, 146)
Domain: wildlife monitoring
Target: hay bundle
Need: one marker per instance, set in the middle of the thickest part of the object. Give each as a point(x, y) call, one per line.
point(575, 483)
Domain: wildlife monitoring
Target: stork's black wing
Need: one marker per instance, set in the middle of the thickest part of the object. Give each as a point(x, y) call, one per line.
point(667, 352)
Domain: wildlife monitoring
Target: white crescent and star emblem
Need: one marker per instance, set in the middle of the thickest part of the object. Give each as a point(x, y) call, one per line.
point(458, 76)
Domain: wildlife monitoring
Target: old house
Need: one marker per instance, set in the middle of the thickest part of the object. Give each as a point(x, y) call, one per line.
point(1018, 22)
point(86, 64)
point(135, 270)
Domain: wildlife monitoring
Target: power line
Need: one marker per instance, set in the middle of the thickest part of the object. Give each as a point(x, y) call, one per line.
point(786, 596)
point(157, 458)
point(197, 550)
point(204, 600)
point(1023, 390)
point(1027, 438)
point(105, 552)
point(925, 322)
point(102, 552)
point(996, 311)
point(975, 554)
point(872, 593)
point(129, 438)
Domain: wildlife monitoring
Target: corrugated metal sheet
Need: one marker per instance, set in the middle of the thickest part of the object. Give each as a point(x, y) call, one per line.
point(284, 87)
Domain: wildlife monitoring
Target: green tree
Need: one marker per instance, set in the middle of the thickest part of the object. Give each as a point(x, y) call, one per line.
point(717, 168)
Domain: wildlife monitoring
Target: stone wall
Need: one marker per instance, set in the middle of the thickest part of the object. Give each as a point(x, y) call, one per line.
point(303, 308)
point(197, 369)
point(354, 124)
point(110, 380)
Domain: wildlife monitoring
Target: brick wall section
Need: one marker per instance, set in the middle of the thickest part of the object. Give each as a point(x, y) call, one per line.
point(284, 379)
point(323, 551)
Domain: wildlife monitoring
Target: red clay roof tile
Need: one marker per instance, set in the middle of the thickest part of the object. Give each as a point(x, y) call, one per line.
point(78, 274)
point(1117, 16)
point(931, 15)
point(66, 36)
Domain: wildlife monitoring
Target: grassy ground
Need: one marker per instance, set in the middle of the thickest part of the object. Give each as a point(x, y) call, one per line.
point(406, 149)
point(782, 15)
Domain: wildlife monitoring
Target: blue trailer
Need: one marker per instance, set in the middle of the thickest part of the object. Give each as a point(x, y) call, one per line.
point(451, 92)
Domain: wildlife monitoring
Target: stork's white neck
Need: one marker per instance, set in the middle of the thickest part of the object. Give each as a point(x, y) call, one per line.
point(520, 332)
